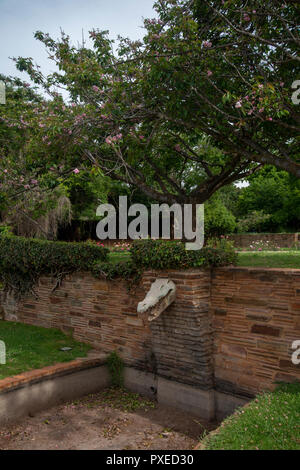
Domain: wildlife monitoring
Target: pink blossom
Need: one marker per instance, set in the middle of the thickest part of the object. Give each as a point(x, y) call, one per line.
point(207, 44)
point(247, 17)
point(95, 88)
point(76, 171)
point(209, 73)
point(261, 110)
point(238, 104)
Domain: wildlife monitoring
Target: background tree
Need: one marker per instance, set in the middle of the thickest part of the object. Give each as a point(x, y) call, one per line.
point(206, 93)
point(271, 193)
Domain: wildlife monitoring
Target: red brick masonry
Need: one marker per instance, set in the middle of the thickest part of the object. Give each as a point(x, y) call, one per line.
point(256, 319)
point(231, 329)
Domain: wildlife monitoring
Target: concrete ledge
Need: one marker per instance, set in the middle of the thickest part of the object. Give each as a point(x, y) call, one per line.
point(185, 397)
point(226, 404)
point(191, 399)
point(141, 382)
point(63, 368)
point(37, 390)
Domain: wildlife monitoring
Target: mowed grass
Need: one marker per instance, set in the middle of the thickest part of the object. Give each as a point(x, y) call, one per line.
point(270, 259)
point(270, 422)
point(118, 257)
point(31, 347)
point(266, 259)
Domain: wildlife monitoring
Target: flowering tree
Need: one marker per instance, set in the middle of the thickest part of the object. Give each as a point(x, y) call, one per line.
point(203, 100)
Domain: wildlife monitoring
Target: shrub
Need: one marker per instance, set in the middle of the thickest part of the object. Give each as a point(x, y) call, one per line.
point(24, 260)
point(160, 254)
point(6, 230)
point(124, 269)
point(116, 367)
point(218, 219)
point(255, 221)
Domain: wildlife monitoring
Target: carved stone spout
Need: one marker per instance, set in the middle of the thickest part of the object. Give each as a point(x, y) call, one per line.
point(161, 294)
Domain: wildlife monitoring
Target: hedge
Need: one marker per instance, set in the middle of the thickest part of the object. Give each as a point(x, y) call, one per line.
point(24, 260)
point(159, 254)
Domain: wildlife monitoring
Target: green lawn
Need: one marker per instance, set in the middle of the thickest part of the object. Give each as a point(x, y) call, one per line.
point(270, 422)
point(267, 259)
point(31, 347)
point(270, 259)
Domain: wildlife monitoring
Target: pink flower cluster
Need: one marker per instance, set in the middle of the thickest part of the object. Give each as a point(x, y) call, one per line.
point(120, 247)
point(113, 140)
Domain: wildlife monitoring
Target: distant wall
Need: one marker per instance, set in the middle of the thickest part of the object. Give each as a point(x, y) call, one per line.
point(281, 240)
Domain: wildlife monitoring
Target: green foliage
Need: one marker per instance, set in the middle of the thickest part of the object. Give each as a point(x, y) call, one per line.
point(116, 367)
point(24, 260)
point(255, 221)
point(5, 230)
point(86, 191)
point(198, 103)
point(159, 254)
point(269, 192)
point(124, 268)
point(218, 219)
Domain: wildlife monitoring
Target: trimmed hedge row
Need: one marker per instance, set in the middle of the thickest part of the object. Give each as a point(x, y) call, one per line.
point(158, 254)
point(24, 260)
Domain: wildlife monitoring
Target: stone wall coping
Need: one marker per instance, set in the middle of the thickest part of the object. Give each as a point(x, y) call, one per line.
point(63, 368)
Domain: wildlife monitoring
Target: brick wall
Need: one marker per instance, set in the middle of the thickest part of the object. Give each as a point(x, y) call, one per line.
point(231, 329)
point(256, 317)
point(181, 336)
point(104, 313)
point(281, 240)
point(98, 312)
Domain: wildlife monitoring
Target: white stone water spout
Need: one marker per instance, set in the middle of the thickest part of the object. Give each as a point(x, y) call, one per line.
point(161, 294)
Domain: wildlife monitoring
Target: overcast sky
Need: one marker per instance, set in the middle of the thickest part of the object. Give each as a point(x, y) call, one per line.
point(19, 19)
